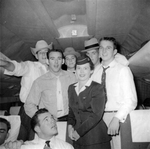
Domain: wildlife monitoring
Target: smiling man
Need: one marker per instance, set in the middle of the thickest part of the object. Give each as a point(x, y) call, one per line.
point(50, 90)
point(120, 89)
point(92, 51)
point(29, 71)
point(44, 125)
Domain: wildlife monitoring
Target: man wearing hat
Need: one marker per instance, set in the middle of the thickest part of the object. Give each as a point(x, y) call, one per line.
point(70, 58)
point(29, 71)
point(92, 51)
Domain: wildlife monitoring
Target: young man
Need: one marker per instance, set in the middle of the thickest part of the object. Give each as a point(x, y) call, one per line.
point(50, 90)
point(120, 89)
point(29, 71)
point(92, 51)
point(44, 125)
point(70, 58)
point(4, 130)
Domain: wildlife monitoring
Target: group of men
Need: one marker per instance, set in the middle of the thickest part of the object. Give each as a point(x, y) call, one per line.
point(45, 85)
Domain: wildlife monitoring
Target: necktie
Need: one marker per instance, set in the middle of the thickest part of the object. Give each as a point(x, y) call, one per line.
point(47, 145)
point(59, 99)
point(104, 80)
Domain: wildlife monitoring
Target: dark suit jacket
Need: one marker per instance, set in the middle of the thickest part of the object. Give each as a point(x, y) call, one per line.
point(86, 112)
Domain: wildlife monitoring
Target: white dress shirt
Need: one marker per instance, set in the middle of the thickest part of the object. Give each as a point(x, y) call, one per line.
point(121, 92)
point(43, 93)
point(95, 76)
point(29, 71)
point(118, 57)
point(39, 143)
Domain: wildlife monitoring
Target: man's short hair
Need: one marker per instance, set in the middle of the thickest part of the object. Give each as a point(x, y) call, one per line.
point(35, 120)
point(112, 39)
point(55, 50)
point(2, 120)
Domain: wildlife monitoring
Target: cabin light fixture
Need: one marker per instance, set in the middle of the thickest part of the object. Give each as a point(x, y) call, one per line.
point(73, 30)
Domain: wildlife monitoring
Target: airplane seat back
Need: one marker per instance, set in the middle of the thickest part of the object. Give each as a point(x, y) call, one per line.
point(126, 136)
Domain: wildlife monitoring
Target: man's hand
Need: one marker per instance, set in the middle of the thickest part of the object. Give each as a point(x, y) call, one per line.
point(14, 145)
point(113, 128)
point(70, 131)
point(75, 135)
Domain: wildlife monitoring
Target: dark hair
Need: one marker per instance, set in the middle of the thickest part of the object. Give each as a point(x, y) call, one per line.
point(55, 50)
point(112, 39)
point(2, 120)
point(87, 61)
point(35, 120)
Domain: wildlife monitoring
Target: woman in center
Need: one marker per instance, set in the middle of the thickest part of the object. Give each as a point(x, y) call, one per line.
point(86, 107)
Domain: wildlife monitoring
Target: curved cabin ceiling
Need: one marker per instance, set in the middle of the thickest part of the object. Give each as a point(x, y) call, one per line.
point(69, 23)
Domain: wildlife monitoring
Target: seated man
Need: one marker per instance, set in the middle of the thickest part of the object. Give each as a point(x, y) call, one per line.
point(44, 125)
point(9, 129)
point(4, 130)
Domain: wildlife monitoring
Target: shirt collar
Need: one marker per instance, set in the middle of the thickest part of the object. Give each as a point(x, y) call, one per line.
point(42, 141)
point(55, 76)
point(111, 64)
point(97, 67)
point(88, 83)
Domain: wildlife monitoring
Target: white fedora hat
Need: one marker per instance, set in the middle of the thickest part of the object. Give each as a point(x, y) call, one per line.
point(40, 45)
point(90, 44)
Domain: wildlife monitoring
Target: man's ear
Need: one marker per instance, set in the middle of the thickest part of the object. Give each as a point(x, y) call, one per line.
point(63, 61)
point(36, 56)
point(115, 51)
point(7, 136)
point(37, 129)
point(92, 72)
point(99, 56)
